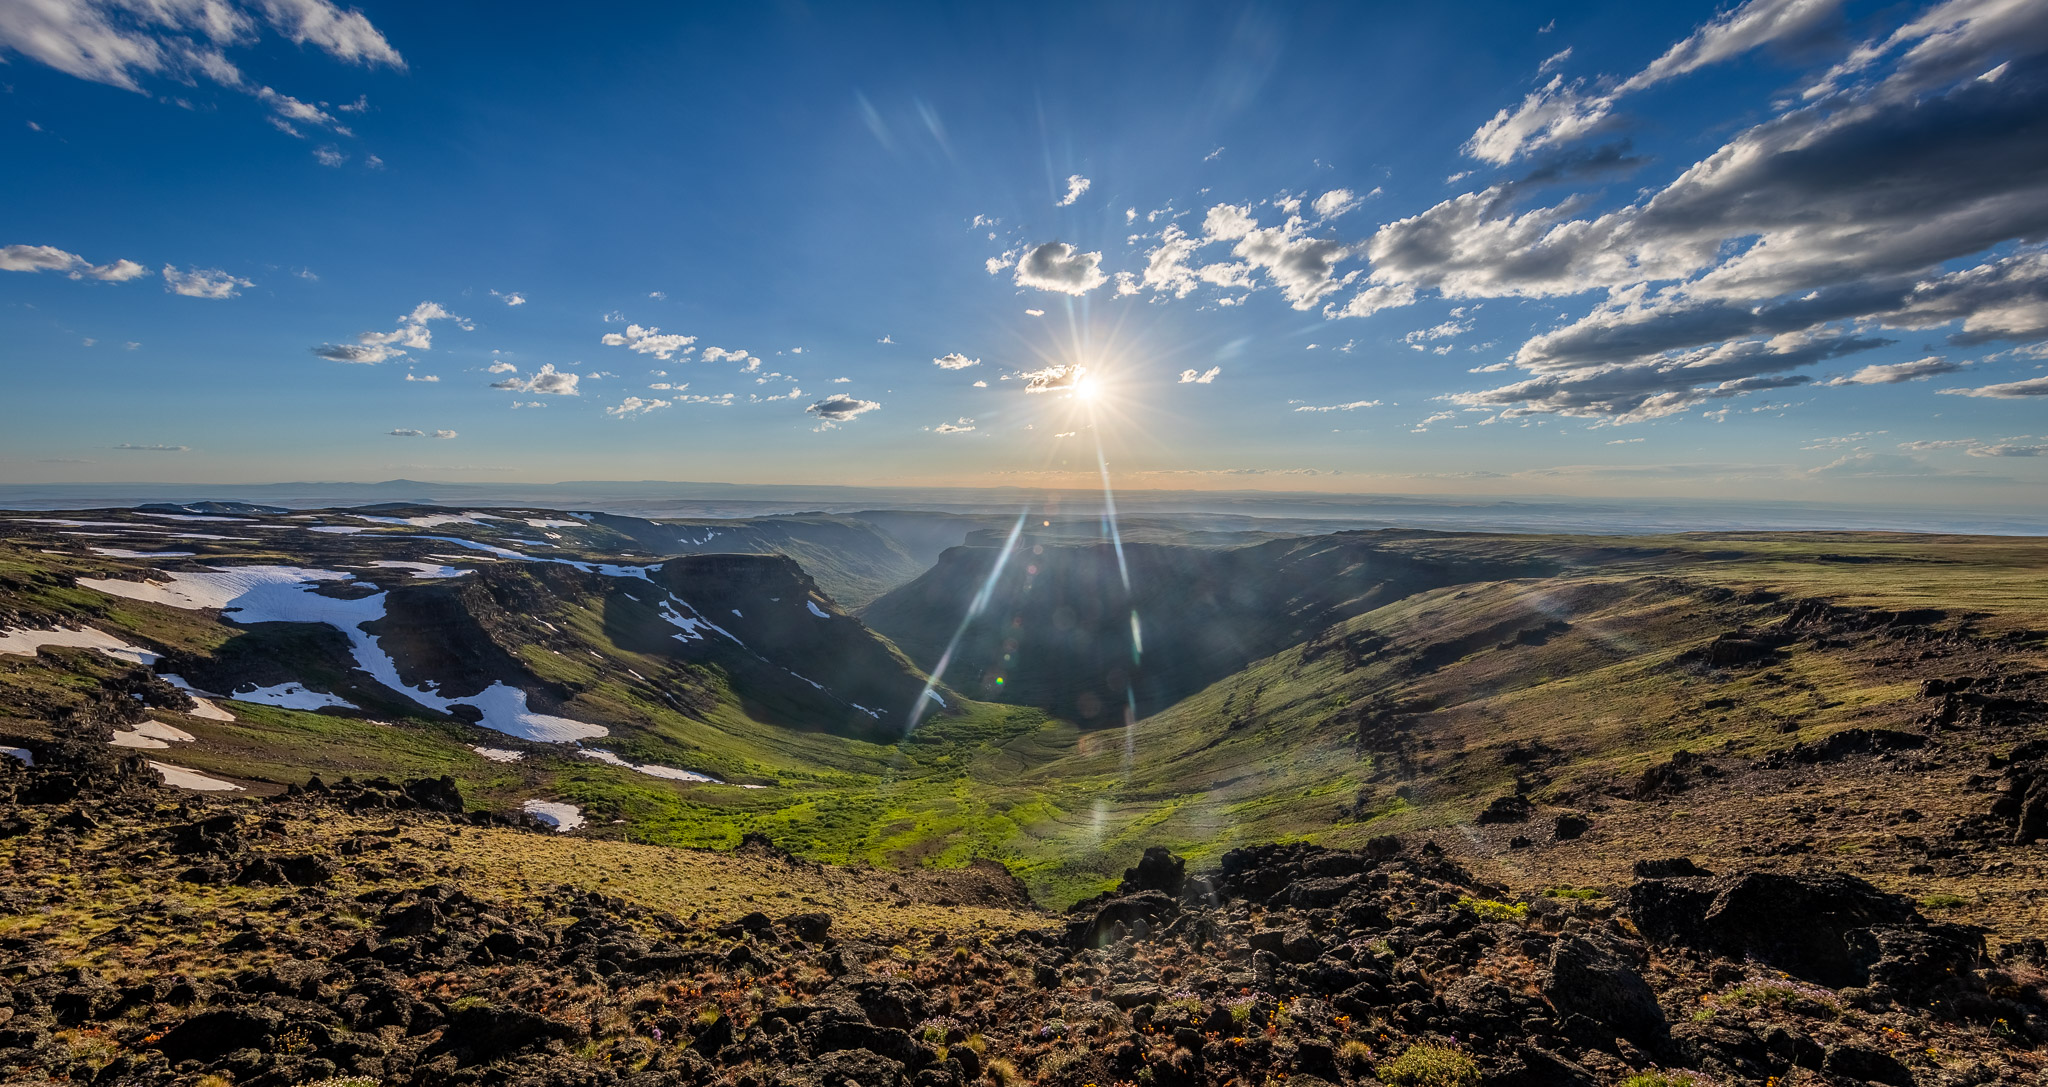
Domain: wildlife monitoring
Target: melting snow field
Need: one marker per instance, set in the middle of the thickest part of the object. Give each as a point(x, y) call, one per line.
point(433, 520)
point(124, 553)
point(23, 643)
point(22, 753)
point(815, 610)
point(422, 570)
point(184, 778)
point(548, 522)
point(563, 817)
point(283, 594)
point(291, 696)
point(152, 735)
point(201, 707)
point(649, 769)
point(499, 754)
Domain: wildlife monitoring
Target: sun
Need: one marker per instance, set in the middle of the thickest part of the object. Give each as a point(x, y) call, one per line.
point(1087, 391)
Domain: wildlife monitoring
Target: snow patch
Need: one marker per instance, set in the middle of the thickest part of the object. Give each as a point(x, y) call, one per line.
point(549, 522)
point(138, 741)
point(194, 517)
point(185, 778)
point(816, 610)
point(24, 754)
point(433, 520)
point(201, 707)
point(256, 592)
point(649, 769)
point(499, 754)
point(124, 553)
point(292, 696)
point(422, 570)
point(694, 623)
point(24, 643)
point(563, 817)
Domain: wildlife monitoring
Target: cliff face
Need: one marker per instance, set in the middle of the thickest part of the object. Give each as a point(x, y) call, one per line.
point(1062, 631)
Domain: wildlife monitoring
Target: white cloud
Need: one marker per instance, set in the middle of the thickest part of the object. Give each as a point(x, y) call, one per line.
point(633, 405)
point(1057, 266)
point(1558, 111)
point(203, 283)
point(1034, 313)
point(329, 156)
point(117, 41)
point(720, 354)
point(49, 258)
point(2011, 390)
point(414, 332)
point(512, 298)
point(547, 380)
point(1894, 373)
point(1434, 418)
point(1191, 377)
point(426, 378)
point(132, 447)
point(657, 295)
point(651, 341)
point(501, 368)
point(1352, 406)
point(841, 380)
point(1212, 155)
point(1076, 185)
point(2010, 450)
point(1334, 203)
point(955, 361)
point(886, 339)
point(408, 432)
point(840, 408)
point(979, 384)
point(1052, 378)
point(963, 426)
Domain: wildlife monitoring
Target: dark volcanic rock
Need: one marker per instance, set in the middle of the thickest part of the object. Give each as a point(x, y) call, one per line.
point(1818, 927)
point(1507, 809)
point(1159, 870)
point(1589, 980)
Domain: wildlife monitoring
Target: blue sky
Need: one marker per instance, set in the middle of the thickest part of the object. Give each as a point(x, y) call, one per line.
point(1786, 249)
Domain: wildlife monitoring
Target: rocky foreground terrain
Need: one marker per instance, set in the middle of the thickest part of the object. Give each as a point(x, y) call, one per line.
point(379, 934)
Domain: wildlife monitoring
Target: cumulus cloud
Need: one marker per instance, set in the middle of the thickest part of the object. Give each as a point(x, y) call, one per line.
point(122, 43)
point(431, 378)
point(963, 426)
point(1560, 111)
point(414, 333)
point(1667, 386)
point(1352, 406)
point(49, 258)
point(500, 368)
point(1334, 203)
point(1076, 185)
point(1204, 377)
point(1052, 378)
point(1301, 265)
point(546, 380)
point(1057, 266)
point(1843, 213)
point(954, 361)
point(203, 283)
point(1034, 313)
point(839, 408)
point(634, 405)
point(512, 298)
point(1894, 373)
point(2011, 390)
point(115, 41)
point(720, 354)
point(651, 341)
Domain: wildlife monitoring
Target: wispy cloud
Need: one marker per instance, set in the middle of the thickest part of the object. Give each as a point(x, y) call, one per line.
point(203, 283)
point(49, 258)
point(1076, 185)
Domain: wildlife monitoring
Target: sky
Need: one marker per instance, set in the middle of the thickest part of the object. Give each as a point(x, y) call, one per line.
point(1786, 249)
